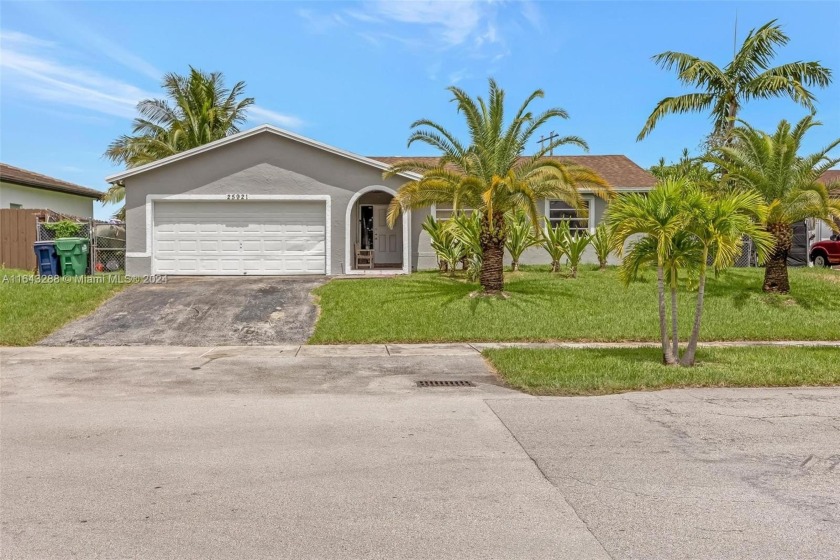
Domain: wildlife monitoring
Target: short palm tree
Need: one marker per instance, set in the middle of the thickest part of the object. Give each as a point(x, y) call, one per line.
point(553, 240)
point(723, 91)
point(718, 223)
point(520, 237)
point(770, 166)
point(198, 109)
point(575, 244)
point(659, 216)
point(448, 250)
point(682, 259)
point(684, 229)
point(489, 173)
point(602, 244)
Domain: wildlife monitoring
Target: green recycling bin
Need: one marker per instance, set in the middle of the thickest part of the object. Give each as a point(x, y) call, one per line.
point(73, 253)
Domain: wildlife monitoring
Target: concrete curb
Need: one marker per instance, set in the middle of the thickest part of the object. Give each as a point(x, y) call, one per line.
point(353, 350)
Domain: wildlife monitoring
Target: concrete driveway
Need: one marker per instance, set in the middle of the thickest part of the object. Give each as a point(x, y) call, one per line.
point(200, 311)
point(262, 452)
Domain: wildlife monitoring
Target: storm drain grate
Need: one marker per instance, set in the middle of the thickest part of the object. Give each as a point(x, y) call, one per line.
point(445, 383)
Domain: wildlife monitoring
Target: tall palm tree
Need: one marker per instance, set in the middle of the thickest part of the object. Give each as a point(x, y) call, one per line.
point(197, 109)
point(787, 182)
point(723, 91)
point(659, 217)
point(489, 173)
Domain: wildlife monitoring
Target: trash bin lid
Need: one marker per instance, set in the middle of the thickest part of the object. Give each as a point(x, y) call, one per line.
point(68, 243)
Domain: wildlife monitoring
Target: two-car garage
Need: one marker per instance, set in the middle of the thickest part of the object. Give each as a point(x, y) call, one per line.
point(239, 237)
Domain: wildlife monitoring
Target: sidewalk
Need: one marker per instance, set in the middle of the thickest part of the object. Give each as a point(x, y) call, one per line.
point(358, 350)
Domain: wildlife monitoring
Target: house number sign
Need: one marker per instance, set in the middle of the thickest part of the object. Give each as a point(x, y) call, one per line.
point(237, 196)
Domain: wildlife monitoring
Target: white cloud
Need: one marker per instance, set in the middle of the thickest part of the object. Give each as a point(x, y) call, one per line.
point(260, 115)
point(451, 23)
point(25, 66)
point(34, 66)
point(63, 23)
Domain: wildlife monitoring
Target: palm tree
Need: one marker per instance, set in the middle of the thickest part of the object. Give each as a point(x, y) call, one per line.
point(788, 183)
point(574, 244)
point(748, 76)
point(684, 230)
point(449, 251)
point(198, 109)
point(659, 216)
point(553, 241)
point(602, 244)
point(489, 173)
point(520, 237)
point(683, 256)
point(718, 224)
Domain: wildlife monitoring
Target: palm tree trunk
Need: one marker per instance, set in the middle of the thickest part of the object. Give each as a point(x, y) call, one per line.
point(675, 333)
point(775, 268)
point(691, 350)
point(492, 277)
point(667, 355)
point(574, 271)
point(514, 265)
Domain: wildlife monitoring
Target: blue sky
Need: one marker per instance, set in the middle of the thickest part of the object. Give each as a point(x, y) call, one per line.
point(356, 75)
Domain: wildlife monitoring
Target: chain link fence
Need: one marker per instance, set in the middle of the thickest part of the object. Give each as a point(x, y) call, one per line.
point(748, 256)
point(107, 243)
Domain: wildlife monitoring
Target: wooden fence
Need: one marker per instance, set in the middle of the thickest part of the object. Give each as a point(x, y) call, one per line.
point(17, 234)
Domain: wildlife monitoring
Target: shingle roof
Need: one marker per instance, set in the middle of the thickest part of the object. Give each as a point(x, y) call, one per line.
point(618, 170)
point(830, 176)
point(18, 176)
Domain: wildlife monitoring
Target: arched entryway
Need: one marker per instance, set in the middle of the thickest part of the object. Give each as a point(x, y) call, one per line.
point(371, 246)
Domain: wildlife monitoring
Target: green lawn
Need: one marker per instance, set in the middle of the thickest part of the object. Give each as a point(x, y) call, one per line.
point(428, 307)
point(29, 311)
point(601, 372)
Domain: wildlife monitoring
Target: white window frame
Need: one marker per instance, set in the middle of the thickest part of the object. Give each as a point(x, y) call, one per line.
point(434, 210)
point(590, 221)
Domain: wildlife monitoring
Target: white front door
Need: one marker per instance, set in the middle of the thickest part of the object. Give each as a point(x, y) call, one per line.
point(387, 242)
point(224, 238)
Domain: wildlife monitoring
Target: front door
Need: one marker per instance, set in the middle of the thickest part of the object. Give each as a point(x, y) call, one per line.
point(387, 242)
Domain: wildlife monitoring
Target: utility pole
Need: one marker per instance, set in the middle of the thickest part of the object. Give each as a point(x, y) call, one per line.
point(549, 139)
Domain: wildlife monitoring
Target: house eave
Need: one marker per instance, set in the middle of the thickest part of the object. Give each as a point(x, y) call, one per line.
point(266, 128)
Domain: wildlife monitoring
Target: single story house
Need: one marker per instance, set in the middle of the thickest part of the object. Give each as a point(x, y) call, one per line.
point(24, 189)
point(267, 201)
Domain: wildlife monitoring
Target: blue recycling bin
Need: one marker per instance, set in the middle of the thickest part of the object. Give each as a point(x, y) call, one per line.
point(47, 258)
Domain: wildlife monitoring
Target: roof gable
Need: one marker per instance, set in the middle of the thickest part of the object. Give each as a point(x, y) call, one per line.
point(26, 178)
point(263, 129)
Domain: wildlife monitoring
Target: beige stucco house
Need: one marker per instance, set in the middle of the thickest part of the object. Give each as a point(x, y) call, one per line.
point(270, 202)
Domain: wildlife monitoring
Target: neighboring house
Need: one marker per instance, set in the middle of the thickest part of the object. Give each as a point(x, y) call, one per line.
point(270, 202)
point(832, 179)
point(24, 189)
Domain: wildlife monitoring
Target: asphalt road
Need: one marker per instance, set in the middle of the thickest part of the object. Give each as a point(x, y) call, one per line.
point(263, 453)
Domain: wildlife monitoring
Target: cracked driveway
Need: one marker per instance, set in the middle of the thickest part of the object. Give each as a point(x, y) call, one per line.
point(200, 311)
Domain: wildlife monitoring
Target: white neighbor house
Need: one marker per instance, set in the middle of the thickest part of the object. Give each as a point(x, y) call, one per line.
point(24, 189)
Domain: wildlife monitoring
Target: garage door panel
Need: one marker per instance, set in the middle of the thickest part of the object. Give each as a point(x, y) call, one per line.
point(274, 237)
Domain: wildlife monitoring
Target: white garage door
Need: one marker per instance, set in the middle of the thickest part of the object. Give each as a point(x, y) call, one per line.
point(225, 238)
